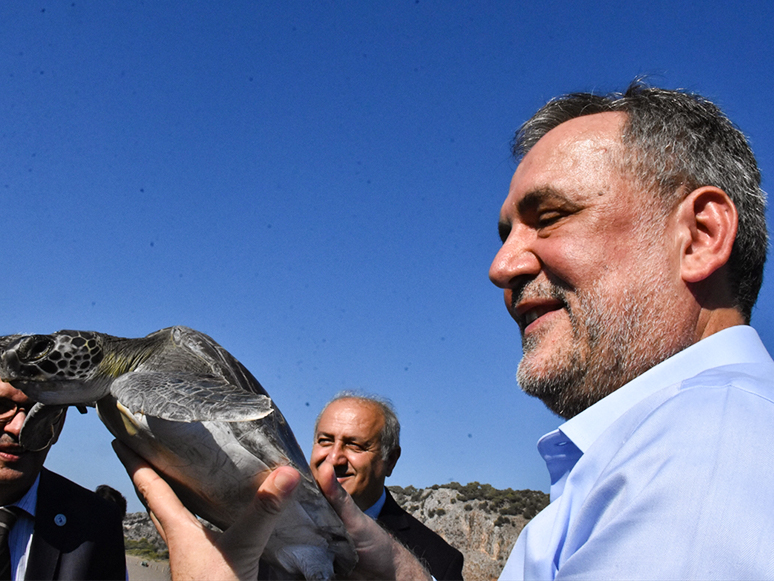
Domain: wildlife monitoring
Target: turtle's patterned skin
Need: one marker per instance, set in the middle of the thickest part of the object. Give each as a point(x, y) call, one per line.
point(196, 414)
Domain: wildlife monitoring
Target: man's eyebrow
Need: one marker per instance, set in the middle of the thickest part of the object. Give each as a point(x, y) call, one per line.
point(531, 200)
point(503, 229)
point(332, 435)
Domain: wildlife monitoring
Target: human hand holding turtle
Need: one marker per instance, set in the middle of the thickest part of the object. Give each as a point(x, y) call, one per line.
point(380, 556)
point(195, 552)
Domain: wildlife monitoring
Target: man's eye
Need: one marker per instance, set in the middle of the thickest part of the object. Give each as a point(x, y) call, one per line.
point(545, 219)
point(6, 406)
point(504, 230)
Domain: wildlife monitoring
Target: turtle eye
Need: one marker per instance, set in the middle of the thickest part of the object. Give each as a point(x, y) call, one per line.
point(36, 347)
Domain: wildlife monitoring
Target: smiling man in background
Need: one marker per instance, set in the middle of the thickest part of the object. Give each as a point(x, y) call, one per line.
point(360, 437)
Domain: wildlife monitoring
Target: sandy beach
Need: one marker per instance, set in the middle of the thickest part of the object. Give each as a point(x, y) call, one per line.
point(151, 571)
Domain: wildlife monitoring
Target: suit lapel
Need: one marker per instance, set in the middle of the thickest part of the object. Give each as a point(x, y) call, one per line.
point(393, 516)
point(44, 555)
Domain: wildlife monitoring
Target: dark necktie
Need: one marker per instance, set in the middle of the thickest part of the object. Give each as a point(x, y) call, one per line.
point(8, 516)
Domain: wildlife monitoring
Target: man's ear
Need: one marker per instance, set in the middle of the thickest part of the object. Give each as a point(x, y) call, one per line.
point(392, 461)
point(707, 222)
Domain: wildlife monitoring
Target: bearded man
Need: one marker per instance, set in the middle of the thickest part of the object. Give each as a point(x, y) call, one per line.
point(634, 241)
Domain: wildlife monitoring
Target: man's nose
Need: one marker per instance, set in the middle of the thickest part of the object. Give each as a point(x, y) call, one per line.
point(516, 258)
point(15, 425)
point(336, 455)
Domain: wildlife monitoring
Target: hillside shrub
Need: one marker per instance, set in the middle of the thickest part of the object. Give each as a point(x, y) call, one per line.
point(506, 502)
point(145, 549)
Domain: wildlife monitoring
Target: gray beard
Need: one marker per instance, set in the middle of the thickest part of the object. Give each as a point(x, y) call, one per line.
point(612, 344)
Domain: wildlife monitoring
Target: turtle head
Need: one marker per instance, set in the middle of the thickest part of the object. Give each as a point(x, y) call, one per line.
point(61, 368)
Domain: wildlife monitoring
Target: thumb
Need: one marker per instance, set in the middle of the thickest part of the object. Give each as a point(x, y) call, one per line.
point(333, 491)
point(243, 542)
point(380, 556)
point(255, 525)
point(350, 514)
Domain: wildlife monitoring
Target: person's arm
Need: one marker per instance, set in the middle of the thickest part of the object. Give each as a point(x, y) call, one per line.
point(196, 552)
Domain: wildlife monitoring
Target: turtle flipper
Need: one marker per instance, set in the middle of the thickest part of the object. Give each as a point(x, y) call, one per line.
point(38, 431)
point(184, 397)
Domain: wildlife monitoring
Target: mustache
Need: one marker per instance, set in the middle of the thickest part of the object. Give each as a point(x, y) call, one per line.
point(7, 439)
point(540, 289)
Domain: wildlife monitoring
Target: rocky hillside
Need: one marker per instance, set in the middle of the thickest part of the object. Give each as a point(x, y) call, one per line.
point(141, 537)
point(481, 521)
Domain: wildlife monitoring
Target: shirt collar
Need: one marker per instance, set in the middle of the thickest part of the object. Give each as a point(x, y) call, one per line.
point(374, 510)
point(562, 448)
point(30, 499)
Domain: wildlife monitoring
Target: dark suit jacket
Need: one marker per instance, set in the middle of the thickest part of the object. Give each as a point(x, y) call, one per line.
point(78, 535)
point(443, 560)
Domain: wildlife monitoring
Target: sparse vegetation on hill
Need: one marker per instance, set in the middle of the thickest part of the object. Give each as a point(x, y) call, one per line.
point(145, 549)
point(508, 502)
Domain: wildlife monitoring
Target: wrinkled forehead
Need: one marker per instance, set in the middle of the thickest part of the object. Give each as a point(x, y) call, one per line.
point(585, 151)
point(600, 127)
point(352, 416)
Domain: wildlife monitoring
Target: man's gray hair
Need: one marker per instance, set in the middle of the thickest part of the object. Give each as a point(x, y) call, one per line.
point(390, 436)
point(675, 142)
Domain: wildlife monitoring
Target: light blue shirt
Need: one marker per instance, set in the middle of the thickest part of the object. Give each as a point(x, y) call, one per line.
point(20, 537)
point(669, 477)
point(374, 510)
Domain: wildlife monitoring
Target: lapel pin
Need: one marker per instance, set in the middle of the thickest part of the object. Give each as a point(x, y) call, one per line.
point(60, 520)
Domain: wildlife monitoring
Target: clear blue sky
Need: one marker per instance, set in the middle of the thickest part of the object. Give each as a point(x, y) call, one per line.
point(316, 185)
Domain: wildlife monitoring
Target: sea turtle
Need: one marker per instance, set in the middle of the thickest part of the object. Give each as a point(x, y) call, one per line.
point(196, 414)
